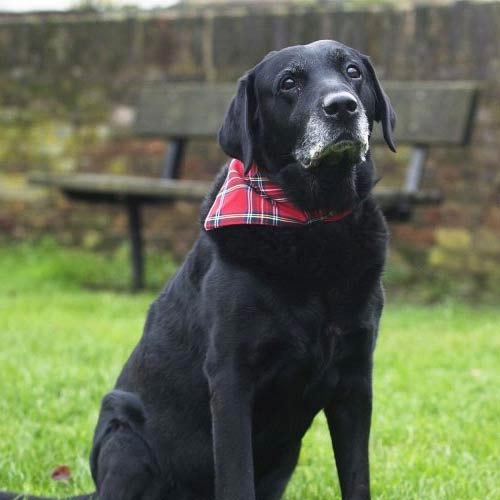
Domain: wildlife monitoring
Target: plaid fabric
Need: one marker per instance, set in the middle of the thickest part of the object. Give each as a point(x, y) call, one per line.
point(254, 199)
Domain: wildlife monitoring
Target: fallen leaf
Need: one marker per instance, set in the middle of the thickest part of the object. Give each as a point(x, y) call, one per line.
point(61, 473)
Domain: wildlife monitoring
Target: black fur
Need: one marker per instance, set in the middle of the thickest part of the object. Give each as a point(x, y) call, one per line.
point(262, 327)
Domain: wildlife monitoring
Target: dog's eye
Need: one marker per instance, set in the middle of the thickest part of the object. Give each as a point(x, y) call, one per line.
point(288, 83)
point(353, 71)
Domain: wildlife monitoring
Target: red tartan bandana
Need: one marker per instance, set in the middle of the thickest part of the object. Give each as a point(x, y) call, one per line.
point(253, 199)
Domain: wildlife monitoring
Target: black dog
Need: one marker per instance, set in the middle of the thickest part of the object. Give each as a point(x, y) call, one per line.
point(264, 326)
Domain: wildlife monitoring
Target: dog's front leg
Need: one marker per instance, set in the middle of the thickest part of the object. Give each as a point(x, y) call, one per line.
point(231, 407)
point(349, 418)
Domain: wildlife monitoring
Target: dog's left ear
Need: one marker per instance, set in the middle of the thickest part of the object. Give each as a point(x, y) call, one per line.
point(383, 109)
point(237, 135)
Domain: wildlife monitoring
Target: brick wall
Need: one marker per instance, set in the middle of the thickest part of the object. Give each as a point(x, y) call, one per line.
point(67, 87)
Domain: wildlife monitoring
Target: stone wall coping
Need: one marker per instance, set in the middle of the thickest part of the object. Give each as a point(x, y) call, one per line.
point(227, 10)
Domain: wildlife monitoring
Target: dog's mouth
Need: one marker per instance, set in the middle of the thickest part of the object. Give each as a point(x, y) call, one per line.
point(336, 152)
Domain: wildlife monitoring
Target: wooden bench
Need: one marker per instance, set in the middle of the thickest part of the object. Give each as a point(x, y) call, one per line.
point(429, 114)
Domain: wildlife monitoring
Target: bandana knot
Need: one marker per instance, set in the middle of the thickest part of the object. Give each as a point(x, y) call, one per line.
point(254, 199)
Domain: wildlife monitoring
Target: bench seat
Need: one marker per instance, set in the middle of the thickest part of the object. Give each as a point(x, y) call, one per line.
point(119, 188)
point(113, 188)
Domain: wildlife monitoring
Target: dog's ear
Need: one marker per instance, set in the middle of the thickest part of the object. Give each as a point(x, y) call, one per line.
point(383, 109)
point(237, 134)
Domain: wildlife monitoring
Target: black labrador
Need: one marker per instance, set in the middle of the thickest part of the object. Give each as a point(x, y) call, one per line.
point(263, 327)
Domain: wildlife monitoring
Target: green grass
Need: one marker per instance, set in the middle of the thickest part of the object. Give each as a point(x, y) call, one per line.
point(63, 323)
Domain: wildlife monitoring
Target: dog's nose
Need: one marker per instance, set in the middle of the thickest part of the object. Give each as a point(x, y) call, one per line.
point(340, 104)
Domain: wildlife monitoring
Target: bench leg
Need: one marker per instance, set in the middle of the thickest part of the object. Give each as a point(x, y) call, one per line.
point(135, 232)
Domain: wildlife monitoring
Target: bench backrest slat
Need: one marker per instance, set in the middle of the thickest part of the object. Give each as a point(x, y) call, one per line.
point(432, 112)
point(185, 110)
point(428, 112)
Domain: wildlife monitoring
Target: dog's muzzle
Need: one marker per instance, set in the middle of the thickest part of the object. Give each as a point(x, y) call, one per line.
point(340, 132)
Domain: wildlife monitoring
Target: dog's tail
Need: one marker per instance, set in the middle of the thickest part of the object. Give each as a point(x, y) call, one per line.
point(5, 495)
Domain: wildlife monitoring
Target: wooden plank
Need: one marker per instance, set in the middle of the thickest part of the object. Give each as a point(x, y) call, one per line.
point(432, 112)
point(438, 112)
point(182, 110)
point(125, 186)
point(144, 188)
point(389, 199)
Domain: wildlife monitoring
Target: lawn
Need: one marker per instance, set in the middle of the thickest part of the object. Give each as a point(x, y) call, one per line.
point(66, 329)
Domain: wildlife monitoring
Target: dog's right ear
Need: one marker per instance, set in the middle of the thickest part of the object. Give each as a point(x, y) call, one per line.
point(384, 112)
point(237, 134)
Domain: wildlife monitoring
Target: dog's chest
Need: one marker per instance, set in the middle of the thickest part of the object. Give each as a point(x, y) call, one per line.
point(296, 365)
point(311, 335)
point(319, 255)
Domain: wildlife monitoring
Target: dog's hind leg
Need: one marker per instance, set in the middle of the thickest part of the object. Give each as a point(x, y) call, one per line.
point(122, 462)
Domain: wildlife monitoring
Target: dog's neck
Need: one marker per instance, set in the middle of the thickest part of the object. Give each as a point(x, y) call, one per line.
point(247, 197)
point(338, 187)
point(317, 253)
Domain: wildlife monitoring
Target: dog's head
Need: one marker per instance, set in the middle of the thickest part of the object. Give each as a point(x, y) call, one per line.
point(305, 114)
